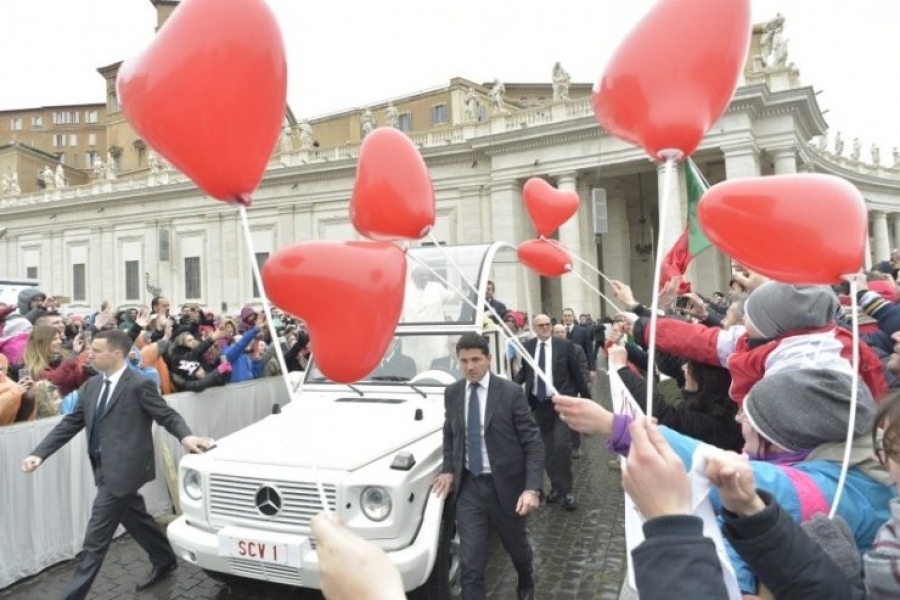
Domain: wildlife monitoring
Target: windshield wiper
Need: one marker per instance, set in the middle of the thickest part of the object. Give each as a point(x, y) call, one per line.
point(399, 379)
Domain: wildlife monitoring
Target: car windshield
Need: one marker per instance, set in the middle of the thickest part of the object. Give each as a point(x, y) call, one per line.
point(433, 291)
point(425, 359)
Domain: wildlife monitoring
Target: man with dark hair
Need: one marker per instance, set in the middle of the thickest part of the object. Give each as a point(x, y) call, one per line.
point(583, 338)
point(492, 463)
point(498, 306)
point(117, 408)
point(556, 357)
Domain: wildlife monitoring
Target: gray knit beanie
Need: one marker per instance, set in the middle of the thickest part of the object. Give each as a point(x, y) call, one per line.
point(805, 408)
point(778, 308)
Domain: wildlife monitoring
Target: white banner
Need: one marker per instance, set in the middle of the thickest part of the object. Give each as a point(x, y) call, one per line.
point(624, 404)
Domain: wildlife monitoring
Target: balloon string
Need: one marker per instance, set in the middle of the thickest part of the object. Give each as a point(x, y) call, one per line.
point(854, 394)
point(657, 270)
point(581, 260)
point(511, 337)
point(279, 353)
point(595, 290)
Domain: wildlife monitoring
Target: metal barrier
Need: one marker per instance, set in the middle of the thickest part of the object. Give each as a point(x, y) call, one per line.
point(45, 514)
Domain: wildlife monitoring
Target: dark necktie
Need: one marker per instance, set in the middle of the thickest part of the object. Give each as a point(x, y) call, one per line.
point(94, 441)
point(542, 365)
point(473, 432)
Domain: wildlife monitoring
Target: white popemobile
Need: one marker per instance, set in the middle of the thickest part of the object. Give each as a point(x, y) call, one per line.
point(375, 446)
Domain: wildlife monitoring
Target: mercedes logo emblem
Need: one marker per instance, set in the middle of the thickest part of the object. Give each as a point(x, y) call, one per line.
point(268, 501)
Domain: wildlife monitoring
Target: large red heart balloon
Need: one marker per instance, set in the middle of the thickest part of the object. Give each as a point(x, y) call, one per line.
point(806, 228)
point(547, 206)
point(349, 293)
point(546, 258)
point(674, 75)
point(393, 198)
point(209, 93)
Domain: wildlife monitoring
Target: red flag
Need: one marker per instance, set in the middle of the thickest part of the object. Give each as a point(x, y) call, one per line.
point(676, 261)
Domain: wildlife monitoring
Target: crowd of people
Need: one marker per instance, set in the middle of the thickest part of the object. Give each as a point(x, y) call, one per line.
point(765, 379)
point(44, 358)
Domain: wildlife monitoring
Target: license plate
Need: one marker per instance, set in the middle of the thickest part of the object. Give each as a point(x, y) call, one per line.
point(266, 552)
point(274, 548)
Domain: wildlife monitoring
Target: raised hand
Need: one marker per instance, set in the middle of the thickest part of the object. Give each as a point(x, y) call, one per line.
point(731, 473)
point(654, 476)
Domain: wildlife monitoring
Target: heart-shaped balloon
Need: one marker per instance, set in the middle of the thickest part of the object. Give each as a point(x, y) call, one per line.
point(807, 228)
point(393, 198)
point(547, 206)
point(209, 93)
point(674, 75)
point(546, 258)
point(349, 293)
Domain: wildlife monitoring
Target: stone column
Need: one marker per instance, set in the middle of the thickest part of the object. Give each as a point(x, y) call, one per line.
point(95, 268)
point(616, 242)
point(588, 250)
point(574, 292)
point(785, 161)
point(741, 160)
point(881, 243)
point(672, 216)
point(896, 218)
point(471, 227)
point(506, 225)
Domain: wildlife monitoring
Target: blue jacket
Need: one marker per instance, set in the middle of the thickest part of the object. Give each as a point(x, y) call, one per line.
point(243, 368)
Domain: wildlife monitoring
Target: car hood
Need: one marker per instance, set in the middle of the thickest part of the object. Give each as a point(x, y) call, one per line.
point(337, 433)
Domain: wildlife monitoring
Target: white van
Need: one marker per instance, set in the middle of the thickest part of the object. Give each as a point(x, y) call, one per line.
point(374, 446)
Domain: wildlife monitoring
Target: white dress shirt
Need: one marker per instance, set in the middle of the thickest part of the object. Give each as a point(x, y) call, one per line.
point(548, 365)
point(482, 401)
point(113, 381)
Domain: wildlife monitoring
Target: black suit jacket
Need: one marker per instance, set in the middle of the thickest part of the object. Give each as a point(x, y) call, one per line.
point(126, 440)
point(511, 436)
point(567, 377)
point(582, 336)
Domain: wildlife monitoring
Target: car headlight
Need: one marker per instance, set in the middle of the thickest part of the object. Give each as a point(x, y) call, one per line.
point(376, 503)
point(193, 484)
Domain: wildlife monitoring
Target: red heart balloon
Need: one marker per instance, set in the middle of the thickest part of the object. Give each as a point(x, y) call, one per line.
point(393, 198)
point(335, 287)
point(807, 228)
point(546, 258)
point(674, 75)
point(209, 94)
point(547, 206)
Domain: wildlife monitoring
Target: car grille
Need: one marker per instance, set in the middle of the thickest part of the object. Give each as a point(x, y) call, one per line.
point(267, 572)
point(235, 498)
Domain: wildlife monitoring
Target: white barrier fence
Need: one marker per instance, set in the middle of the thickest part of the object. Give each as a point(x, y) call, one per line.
point(45, 514)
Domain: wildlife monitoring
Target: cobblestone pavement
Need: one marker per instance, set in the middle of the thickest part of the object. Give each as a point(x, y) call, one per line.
point(578, 555)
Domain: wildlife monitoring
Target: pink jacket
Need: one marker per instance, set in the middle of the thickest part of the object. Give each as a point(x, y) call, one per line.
point(13, 347)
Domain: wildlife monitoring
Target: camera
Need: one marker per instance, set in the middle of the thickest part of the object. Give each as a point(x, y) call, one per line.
point(682, 302)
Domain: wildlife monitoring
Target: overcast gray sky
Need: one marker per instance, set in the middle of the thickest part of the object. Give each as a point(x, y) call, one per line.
point(344, 53)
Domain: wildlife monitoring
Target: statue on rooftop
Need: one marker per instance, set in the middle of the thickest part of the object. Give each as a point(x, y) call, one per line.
point(368, 122)
point(561, 82)
point(496, 95)
point(392, 116)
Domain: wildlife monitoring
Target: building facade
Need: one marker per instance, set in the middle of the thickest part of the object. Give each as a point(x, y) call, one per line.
point(151, 231)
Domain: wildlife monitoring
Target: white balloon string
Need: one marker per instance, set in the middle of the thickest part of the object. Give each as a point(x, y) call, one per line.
point(595, 290)
point(579, 259)
point(499, 319)
point(657, 270)
point(279, 353)
point(854, 395)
